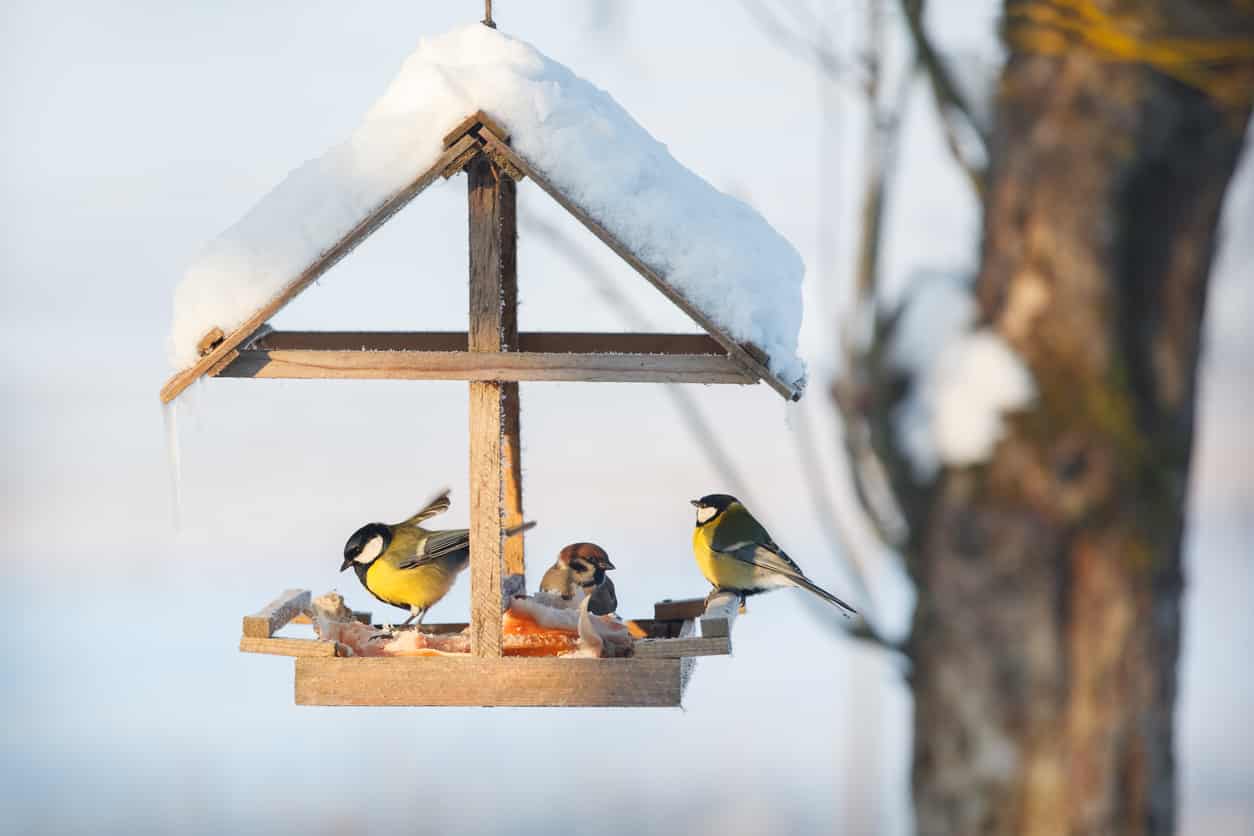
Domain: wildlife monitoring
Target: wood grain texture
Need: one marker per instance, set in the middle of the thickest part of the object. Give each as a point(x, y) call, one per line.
point(752, 361)
point(488, 682)
point(471, 124)
point(720, 614)
point(209, 340)
point(513, 549)
point(688, 664)
point(485, 335)
point(295, 364)
point(485, 519)
point(679, 609)
point(287, 647)
point(180, 381)
point(679, 648)
point(458, 164)
point(539, 342)
point(275, 615)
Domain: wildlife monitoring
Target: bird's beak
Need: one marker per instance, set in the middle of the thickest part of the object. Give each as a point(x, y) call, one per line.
point(606, 565)
point(696, 503)
point(348, 561)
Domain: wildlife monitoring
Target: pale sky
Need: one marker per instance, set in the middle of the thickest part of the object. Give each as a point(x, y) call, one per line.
point(135, 132)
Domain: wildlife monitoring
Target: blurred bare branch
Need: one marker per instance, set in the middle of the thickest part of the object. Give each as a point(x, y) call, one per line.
point(853, 391)
point(798, 39)
point(825, 505)
point(702, 432)
point(951, 104)
point(705, 436)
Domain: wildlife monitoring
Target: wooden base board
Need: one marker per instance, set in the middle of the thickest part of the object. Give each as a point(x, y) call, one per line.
point(443, 681)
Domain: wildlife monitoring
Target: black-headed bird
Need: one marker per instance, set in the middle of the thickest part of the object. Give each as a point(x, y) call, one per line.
point(405, 565)
point(736, 554)
point(580, 571)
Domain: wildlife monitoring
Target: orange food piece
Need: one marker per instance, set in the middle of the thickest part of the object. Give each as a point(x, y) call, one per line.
point(523, 637)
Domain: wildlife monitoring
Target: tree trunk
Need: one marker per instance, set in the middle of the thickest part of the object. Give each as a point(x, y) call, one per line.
point(1048, 624)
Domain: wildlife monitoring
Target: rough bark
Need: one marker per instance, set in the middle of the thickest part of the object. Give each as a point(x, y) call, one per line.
point(1048, 624)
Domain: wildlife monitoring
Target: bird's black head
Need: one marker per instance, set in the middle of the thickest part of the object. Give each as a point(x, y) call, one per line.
point(366, 544)
point(711, 505)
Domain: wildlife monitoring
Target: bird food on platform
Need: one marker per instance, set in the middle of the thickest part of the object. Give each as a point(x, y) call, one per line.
point(533, 626)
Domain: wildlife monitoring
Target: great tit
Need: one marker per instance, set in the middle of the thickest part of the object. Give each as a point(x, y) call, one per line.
point(580, 570)
point(736, 554)
point(405, 565)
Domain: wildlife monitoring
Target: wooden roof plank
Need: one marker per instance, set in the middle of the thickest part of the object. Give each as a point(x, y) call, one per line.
point(735, 349)
point(470, 123)
point(180, 381)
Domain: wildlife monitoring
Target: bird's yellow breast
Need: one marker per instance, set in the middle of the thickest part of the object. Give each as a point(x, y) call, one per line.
point(418, 587)
point(721, 571)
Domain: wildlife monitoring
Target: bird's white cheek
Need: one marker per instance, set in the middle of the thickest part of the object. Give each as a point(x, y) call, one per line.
point(373, 549)
point(705, 514)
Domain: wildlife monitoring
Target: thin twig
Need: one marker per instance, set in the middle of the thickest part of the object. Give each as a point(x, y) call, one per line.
point(852, 392)
point(947, 95)
point(824, 507)
point(798, 44)
point(702, 432)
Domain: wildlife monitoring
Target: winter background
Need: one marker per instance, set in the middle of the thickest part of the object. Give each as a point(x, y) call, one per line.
point(134, 133)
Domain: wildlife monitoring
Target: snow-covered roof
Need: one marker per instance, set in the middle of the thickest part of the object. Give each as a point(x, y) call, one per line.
point(715, 250)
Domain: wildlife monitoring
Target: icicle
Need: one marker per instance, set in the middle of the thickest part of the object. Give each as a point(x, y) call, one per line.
point(792, 414)
point(169, 413)
point(192, 402)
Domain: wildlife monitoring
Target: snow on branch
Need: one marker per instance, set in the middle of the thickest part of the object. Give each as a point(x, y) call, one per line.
point(963, 379)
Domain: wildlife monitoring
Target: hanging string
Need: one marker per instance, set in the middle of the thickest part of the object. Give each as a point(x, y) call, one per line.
point(1221, 68)
point(487, 15)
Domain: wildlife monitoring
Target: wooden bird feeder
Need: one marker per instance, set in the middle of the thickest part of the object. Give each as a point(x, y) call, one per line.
point(494, 357)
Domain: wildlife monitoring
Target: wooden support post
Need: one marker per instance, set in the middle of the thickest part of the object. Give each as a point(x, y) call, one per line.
point(515, 580)
point(493, 315)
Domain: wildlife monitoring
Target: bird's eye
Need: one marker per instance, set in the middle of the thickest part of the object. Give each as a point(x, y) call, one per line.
point(578, 566)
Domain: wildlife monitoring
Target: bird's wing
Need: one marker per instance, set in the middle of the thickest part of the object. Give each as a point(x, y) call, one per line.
point(768, 556)
point(437, 545)
point(436, 506)
point(742, 537)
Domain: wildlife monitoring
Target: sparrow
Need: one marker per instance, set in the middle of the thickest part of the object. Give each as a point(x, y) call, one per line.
point(578, 571)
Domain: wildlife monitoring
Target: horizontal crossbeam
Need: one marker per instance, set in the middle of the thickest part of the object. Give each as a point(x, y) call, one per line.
point(474, 365)
point(548, 342)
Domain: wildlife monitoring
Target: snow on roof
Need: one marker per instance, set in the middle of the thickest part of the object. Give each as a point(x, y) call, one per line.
point(716, 250)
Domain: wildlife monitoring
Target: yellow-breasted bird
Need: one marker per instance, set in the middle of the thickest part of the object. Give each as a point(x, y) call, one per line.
point(405, 565)
point(736, 554)
point(580, 570)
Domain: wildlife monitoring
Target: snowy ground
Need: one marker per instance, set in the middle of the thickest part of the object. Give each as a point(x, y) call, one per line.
point(148, 718)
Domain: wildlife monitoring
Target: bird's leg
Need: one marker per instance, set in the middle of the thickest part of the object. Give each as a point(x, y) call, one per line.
point(422, 613)
point(412, 615)
point(713, 591)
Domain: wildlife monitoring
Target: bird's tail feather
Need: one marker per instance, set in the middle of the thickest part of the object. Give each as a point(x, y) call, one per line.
point(809, 585)
point(438, 505)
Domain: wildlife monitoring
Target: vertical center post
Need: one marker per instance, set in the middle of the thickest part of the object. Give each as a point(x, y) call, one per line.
point(496, 567)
